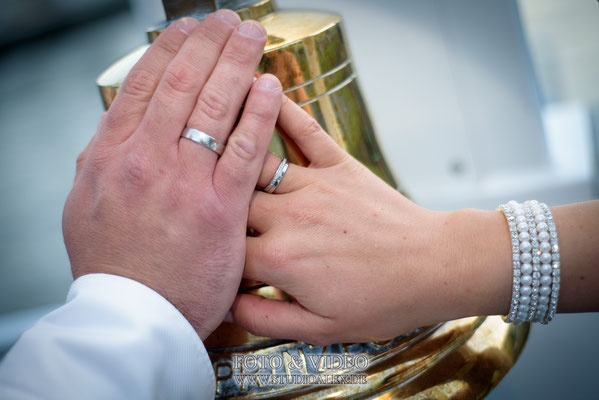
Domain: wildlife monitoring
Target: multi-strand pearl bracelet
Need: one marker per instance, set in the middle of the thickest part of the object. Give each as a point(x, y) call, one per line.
point(535, 262)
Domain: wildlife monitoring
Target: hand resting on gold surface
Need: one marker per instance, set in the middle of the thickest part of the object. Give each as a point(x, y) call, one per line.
point(363, 263)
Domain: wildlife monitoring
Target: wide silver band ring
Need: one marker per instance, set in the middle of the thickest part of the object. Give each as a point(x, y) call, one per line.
point(278, 176)
point(203, 139)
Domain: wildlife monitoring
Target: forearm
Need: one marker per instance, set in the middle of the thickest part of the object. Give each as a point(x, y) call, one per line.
point(482, 258)
point(578, 234)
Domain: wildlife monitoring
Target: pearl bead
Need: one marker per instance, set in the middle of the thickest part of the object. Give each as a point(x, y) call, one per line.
point(545, 258)
point(544, 290)
point(526, 280)
point(542, 227)
point(524, 236)
point(522, 227)
point(543, 237)
point(524, 300)
point(543, 300)
point(546, 280)
point(540, 218)
point(518, 211)
point(521, 316)
point(542, 308)
point(520, 218)
point(525, 247)
point(513, 203)
point(545, 247)
point(526, 269)
point(525, 290)
point(526, 258)
point(546, 269)
point(523, 308)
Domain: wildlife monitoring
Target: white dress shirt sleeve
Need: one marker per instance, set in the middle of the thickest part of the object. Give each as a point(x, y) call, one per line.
point(115, 338)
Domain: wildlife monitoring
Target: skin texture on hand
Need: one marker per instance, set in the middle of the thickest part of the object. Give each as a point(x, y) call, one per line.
point(355, 255)
point(363, 263)
point(166, 211)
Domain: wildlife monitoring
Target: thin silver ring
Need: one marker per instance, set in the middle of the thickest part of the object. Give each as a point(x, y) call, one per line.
point(278, 176)
point(203, 139)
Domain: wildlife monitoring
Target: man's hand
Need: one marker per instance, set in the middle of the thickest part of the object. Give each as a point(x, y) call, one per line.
point(163, 210)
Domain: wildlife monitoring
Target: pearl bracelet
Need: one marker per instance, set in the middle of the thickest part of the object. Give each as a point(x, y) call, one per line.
point(535, 262)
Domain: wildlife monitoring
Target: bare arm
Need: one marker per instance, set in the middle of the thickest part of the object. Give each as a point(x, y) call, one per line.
point(482, 247)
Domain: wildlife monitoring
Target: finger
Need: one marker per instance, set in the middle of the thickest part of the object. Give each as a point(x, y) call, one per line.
point(184, 78)
point(255, 268)
point(279, 319)
point(263, 212)
point(237, 171)
point(220, 100)
point(306, 132)
point(272, 259)
point(294, 178)
point(131, 102)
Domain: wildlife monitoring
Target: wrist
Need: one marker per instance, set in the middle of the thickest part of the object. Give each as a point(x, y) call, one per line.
point(480, 256)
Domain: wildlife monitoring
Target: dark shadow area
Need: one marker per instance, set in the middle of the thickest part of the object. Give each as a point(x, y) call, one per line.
point(25, 20)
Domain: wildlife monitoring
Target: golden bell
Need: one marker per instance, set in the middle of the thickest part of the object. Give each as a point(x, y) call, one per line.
point(466, 358)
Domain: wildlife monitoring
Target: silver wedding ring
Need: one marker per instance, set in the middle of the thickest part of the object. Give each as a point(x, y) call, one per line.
point(203, 139)
point(278, 176)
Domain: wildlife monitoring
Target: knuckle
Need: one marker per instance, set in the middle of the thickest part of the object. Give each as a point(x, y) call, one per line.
point(285, 101)
point(310, 127)
point(139, 83)
point(80, 161)
point(95, 160)
point(213, 103)
point(136, 171)
point(110, 121)
point(302, 216)
point(239, 55)
point(243, 146)
point(167, 44)
point(329, 191)
point(180, 78)
point(274, 254)
point(261, 114)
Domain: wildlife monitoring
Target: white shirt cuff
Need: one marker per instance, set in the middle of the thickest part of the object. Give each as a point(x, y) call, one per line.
point(114, 338)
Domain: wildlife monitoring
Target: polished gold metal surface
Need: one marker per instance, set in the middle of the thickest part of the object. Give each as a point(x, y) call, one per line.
point(459, 359)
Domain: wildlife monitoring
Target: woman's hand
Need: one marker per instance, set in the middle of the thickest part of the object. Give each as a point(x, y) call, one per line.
point(361, 261)
point(163, 210)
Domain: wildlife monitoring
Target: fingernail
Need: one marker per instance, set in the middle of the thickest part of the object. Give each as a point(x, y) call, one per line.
point(228, 16)
point(252, 29)
point(229, 317)
point(269, 82)
point(187, 25)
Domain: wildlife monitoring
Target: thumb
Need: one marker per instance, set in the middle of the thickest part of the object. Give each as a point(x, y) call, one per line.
point(280, 319)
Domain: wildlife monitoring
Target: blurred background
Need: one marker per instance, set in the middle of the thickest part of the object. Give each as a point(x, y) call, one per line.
point(475, 102)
